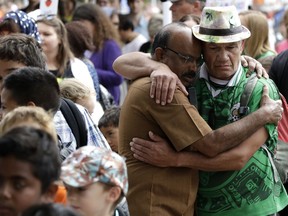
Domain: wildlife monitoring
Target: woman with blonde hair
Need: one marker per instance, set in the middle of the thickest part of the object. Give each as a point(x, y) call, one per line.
point(258, 46)
point(107, 46)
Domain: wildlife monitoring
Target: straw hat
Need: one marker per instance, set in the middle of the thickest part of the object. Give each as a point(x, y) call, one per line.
point(220, 25)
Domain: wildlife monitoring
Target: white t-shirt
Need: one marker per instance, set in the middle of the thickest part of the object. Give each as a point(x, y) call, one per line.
point(134, 45)
point(80, 72)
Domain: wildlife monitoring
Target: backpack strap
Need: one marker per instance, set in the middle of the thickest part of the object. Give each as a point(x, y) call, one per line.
point(278, 166)
point(276, 176)
point(193, 92)
point(246, 95)
point(75, 121)
point(193, 96)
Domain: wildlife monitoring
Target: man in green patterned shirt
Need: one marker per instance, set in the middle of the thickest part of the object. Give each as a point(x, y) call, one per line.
point(254, 188)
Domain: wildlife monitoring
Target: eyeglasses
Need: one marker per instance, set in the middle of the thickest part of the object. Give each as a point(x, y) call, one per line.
point(198, 61)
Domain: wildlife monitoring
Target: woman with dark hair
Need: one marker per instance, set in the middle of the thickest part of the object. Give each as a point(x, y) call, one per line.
point(81, 40)
point(106, 45)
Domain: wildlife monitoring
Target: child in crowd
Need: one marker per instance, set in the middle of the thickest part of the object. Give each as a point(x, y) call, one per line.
point(28, 115)
point(96, 181)
point(38, 118)
point(29, 167)
point(79, 93)
point(108, 125)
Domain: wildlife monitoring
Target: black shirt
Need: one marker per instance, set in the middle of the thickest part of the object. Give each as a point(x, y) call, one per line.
point(279, 73)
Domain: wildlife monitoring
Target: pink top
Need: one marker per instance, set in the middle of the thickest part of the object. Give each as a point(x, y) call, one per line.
point(281, 46)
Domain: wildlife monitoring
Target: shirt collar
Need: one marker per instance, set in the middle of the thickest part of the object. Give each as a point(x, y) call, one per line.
point(232, 82)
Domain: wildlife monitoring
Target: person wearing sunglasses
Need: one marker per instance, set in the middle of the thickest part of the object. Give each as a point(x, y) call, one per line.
point(155, 190)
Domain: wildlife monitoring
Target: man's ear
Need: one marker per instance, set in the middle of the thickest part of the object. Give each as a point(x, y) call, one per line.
point(31, 103)
point(114, 194)
point(159, 54)
point(49, 195)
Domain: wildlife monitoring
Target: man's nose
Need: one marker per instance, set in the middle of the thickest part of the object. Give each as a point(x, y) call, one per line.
point(222, 55)
point(193, 65)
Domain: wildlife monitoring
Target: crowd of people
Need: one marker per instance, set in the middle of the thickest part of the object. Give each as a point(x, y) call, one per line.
point(111, 114)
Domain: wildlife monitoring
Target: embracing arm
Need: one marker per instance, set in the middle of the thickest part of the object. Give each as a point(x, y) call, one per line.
point(135, 64)
point(159, 153)
point(233, 159)
point(233, 134)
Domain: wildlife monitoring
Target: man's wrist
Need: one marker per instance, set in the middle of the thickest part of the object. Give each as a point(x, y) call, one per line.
point(177, 160)
point(264, 115)
point(181, 159)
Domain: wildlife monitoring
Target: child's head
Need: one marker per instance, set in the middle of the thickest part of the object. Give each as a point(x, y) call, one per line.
point(30, 86)
point(76, 91)
point(19, 50)
point(95, 179)
point(29, 166)
point(28, 115)
point(108, 124)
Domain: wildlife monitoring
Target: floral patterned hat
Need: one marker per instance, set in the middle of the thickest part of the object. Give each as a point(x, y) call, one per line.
point(90, 164)
point(220, 25)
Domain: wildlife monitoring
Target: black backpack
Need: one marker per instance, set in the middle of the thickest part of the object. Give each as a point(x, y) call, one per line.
point(75, 121)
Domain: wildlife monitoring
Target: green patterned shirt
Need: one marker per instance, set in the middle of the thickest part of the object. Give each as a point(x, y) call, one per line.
point(252, 190)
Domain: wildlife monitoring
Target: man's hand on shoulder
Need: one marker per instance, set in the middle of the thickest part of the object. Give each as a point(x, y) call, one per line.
point(163, 85)
point(253, 65)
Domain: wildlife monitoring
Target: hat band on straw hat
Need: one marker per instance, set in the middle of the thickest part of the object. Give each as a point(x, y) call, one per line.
point(220, 32)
